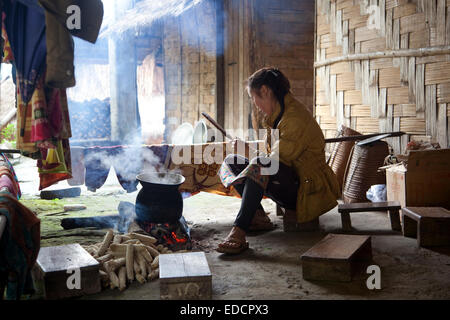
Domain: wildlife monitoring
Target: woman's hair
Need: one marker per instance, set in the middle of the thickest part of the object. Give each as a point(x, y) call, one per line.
point(272, 78)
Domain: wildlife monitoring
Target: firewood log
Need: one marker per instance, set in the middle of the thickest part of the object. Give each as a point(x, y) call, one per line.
point(153, 252)
point(106, 242)
point(122, 278)
point(132, 241)
point(159, 247)
point(145, 254)
point(118, 250)
point(143, 238)
point(130, 261)
point(125, 237)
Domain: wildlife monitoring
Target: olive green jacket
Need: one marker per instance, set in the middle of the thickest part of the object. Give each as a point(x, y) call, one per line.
point(301, 145)
point(60, 48)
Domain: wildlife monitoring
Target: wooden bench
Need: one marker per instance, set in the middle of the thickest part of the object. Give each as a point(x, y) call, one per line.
point(184, 276)
point(290, 223)
point(430, 225)
point(337, 257)
point(50, 272)
point(393, 207)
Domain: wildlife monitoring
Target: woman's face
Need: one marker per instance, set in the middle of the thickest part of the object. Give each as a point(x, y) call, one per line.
point(263, 100)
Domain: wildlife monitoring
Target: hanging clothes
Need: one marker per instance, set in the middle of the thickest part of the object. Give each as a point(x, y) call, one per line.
point(8, 177)
point(25, 28)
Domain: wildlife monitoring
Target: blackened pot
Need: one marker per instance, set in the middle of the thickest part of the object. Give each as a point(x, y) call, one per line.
point(159, 200)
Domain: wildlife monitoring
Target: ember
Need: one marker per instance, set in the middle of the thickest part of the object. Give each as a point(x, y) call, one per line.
point(173, 235)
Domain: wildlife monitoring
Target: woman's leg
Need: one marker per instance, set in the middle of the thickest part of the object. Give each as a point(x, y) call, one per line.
point(252, 194)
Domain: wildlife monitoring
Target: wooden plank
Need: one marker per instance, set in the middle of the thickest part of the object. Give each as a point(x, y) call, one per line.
point(430, 12)
point(389, 77)
point(420, 88)
point(397, 95)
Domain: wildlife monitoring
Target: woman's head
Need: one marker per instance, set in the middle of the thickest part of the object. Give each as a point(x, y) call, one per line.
point(266, 87)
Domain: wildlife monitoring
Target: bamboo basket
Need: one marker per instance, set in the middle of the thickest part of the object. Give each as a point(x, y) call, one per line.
point(341, 153)
point(362, 170)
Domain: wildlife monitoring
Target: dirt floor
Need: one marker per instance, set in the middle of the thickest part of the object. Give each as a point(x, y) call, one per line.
point(271, 268)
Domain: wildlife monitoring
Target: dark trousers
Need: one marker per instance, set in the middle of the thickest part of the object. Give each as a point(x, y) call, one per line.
point(282, 189)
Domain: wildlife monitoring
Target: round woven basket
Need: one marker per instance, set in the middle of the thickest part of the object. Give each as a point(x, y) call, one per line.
point(341, 153)
point(362, 170)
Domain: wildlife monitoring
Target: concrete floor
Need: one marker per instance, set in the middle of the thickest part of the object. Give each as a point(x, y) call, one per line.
point(271, 268)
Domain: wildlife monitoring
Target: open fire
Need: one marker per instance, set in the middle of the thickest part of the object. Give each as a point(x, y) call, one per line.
point(176, 235)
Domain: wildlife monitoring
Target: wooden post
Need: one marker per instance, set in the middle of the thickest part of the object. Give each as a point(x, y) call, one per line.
point(125, 123)
point(395, 220)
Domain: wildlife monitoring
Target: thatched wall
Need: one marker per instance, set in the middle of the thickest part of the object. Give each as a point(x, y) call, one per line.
point(386, 74)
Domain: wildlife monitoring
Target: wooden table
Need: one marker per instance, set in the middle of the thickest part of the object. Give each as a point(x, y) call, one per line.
point(430, 225)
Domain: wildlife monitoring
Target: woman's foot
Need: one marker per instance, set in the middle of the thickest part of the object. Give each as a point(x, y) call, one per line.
point(261, 222)
point(234, 243)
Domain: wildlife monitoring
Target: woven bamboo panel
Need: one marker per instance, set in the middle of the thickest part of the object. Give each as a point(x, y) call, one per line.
point(386, 87)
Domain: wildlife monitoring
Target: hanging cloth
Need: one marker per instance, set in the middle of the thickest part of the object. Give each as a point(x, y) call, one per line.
point(25, 28)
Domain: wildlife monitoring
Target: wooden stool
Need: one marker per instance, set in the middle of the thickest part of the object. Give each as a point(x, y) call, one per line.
point(185, 276)
point(51, 271)
point(430, 225)
point(290, 223)
point(392, 207)
point(337, 257)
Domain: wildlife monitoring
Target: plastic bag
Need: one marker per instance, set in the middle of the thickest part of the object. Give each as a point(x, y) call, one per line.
point(377, 193)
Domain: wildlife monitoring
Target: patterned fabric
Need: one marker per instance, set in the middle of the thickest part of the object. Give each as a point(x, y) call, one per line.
point(19, 245)
point(55, 165)
point(252, 171)
point(8, 177)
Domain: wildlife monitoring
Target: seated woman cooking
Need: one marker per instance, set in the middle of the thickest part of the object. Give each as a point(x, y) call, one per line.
point(303, 183)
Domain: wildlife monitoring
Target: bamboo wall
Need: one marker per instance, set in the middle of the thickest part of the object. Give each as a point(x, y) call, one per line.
point(189, 50)
point(261, 33)
point(407, 89)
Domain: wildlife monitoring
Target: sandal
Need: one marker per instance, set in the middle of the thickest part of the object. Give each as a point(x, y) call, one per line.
point(232, 246)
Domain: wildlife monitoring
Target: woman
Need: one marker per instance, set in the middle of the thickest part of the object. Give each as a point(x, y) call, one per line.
point(304, 182)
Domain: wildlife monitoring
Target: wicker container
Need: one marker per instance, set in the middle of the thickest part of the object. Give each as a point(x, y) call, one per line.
point(341, 153)
point(362, 170)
